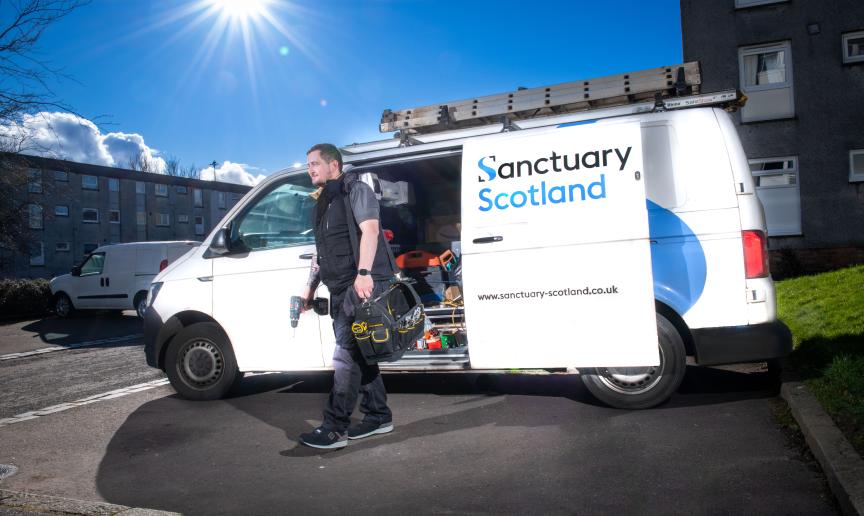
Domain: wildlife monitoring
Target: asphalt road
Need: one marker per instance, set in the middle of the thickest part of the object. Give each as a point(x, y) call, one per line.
point(464, 443)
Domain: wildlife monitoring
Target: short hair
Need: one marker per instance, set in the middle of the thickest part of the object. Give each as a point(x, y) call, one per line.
point(328, 151)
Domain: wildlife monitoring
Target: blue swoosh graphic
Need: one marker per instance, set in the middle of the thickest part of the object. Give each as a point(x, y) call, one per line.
point(489, 171)
point(677, 260)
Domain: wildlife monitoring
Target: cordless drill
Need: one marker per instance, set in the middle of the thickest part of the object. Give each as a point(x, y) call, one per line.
point(296, 303)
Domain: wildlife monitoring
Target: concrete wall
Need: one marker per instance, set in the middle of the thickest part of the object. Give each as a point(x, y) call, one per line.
point(829, 102)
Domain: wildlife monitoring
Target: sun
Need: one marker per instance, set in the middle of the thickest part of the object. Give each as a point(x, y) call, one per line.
point(241, 10)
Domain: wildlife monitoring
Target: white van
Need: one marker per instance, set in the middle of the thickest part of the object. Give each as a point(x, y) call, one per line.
point(115, 277)
point(619, 244)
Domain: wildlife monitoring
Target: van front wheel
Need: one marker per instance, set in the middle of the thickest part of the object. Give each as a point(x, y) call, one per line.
point(200, 362)
point(642, 387)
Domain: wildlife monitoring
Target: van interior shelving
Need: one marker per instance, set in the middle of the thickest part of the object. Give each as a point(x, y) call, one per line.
point(426, 219)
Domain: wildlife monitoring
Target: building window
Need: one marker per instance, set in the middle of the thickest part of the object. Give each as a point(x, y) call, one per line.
point(89, 182)
point(140, 187)
point(90, 215)
point(34, 181)
point(220, 199)
point(61, 175)
point(777, 187)
point(163, 219)
point(113, 184)
point(89, 248)
point(61, 211)
point(37, 254)
point(183, 219)
point(740, 4)
point(114, 216)
point(766, 78)
point(199, 197)
point(199, 225)
point(34, 216)
point(62, 247)
point(161, 190)
point(141, 218)
point(856, 165)
point(853, 47)
point(182, 189)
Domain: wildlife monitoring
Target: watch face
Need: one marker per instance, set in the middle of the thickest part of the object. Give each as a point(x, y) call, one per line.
point(363, 272)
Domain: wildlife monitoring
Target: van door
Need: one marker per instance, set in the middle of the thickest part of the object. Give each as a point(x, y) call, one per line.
point(272, 244)
point(556, 254)
point(89, 286)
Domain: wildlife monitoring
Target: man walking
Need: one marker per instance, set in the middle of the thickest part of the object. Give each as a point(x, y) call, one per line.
point(352, 269)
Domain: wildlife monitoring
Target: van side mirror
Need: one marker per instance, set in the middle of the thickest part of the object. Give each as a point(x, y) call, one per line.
point(76, 270)
point(221, 242)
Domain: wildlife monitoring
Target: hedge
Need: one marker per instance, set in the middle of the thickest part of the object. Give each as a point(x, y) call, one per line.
point(20, 297)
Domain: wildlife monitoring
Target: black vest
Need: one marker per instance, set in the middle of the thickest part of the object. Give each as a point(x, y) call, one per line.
point(336, 255)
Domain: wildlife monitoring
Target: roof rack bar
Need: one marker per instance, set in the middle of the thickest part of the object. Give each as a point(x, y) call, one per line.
point(667, 81)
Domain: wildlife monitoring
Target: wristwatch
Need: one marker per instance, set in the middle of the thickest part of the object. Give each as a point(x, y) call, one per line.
point(363, 272)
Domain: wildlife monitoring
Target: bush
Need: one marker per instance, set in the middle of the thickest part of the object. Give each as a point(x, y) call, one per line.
point(24, 297)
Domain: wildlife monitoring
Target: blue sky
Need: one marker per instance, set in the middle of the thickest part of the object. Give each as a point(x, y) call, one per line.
point(200, 93)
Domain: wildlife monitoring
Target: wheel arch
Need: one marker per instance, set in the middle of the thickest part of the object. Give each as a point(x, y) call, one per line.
point(677, 321)
point(175, 324)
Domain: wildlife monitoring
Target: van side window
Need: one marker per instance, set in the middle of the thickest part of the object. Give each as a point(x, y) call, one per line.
point(659, 145)
point(281, 216)
point(93, 265)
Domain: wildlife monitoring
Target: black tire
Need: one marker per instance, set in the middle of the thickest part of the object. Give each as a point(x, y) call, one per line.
point(63, 306)
point(140, 304)
point(642, 387)
point(200, 363)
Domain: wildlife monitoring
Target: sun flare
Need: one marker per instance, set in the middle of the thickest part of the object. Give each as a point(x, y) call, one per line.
point(241, 10)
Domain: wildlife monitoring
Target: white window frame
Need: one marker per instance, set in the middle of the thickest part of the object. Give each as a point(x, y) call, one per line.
point(785, 170)
point(183, 219)
point(61, 175)
point(112, 212)
point(181, 189)
point(785, 46)
point(34, 180)
point(199, 226)
point(113, 184)
point(84, 178)
point(197, 197)
point(845, 42)
point(163, 222)
point(38, 261)
point(140, 187)
point(743, 4)
point(89, 210)
point(220, 200)
point(35, 217)
point(853, 177)
point(161, 190)
point(58, 210)
point(62, 247)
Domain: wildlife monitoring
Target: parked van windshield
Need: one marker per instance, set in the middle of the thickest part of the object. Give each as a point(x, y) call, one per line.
point(93, 265)
point(281, 217)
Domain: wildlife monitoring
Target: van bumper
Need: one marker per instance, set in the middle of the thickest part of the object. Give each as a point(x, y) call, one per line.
point(737, 344)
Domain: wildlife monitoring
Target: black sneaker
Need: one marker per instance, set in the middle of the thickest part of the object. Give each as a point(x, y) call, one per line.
point(367, 428)
point(324, 438)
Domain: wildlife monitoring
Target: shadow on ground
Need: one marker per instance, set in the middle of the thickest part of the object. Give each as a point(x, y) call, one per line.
point(85, 327)
point(463, 442)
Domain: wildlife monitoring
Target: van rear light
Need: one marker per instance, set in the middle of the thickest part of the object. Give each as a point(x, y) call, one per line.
point(162, 265)
point(755, 254)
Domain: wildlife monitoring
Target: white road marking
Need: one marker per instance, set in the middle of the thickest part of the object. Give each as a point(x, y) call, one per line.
point(26, 416)
point(84, 344)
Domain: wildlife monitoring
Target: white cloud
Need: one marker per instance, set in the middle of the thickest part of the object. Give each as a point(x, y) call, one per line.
point(69, 137)
point(233, 173)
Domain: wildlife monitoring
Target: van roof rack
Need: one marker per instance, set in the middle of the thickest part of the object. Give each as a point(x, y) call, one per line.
point(658, 84)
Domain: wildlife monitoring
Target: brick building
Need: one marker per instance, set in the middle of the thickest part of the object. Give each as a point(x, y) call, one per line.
point(801, 65)
point(72, 208)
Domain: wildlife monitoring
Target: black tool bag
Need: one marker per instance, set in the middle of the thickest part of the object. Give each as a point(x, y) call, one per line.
point(390, 324)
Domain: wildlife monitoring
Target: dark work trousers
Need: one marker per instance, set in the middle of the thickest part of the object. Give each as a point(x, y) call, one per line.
point(352, 375)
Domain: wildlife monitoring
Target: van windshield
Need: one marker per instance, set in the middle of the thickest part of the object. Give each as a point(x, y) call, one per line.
point(94, 264)
point(282, 216)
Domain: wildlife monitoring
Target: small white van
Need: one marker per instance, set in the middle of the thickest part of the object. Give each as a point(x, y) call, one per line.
point(115, 277)
point(619, 243)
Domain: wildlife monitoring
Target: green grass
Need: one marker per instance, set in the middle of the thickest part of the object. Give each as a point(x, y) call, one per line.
point(826, 315)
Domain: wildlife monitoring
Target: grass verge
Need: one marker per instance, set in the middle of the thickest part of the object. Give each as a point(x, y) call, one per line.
point(826, 315)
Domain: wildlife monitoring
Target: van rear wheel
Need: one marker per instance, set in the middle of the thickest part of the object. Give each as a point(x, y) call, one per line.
point(642, 387)
point(141, 304)
point(200, 362)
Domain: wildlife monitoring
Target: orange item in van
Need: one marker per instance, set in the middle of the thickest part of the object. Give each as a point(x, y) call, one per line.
point(417, 260)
